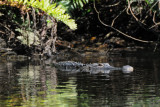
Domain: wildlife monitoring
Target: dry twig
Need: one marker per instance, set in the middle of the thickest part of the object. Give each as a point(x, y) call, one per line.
point(117, 29)
point(117, 16)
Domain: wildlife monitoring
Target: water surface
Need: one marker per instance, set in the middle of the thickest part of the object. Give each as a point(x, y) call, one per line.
point(35, 83)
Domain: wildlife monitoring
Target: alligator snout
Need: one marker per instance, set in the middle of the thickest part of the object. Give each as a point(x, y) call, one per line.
point(127, 69)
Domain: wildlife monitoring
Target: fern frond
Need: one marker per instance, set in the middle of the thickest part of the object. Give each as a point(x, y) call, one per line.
point(72, 4)
point(51, 9)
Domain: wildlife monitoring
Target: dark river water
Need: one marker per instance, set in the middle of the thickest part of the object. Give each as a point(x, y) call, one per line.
point(35, 83)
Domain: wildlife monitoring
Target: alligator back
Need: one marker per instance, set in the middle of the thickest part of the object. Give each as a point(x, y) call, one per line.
point(68, 64)
point(98, 67)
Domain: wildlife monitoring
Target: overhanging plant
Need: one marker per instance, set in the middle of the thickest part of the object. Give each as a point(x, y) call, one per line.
point(50, 14)
point(52, 10)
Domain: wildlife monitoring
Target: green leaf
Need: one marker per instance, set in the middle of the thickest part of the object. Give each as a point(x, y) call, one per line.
point(53, 10)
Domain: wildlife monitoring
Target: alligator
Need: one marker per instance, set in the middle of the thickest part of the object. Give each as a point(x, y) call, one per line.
point(92, 68)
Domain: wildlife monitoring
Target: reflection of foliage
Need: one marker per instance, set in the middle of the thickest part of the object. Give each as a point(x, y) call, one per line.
point(149, 102)
point(31, 92)
point(62, 96)
point(12, 101)
point(83, 101)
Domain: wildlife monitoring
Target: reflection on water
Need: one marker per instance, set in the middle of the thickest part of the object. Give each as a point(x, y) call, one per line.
point(37, 84)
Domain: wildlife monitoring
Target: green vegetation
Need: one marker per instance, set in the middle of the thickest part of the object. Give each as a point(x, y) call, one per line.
point(35, 20)
point(51, 9)
point(70, 5)
point(33, 24)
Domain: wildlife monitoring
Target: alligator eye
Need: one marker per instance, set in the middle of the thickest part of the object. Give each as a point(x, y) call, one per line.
point(100, 64)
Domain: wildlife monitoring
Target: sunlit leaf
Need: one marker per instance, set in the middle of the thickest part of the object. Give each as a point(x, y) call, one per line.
point(53, 10)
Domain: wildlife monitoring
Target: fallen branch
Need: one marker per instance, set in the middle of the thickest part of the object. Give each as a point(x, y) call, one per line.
point(126, 35)
point(113, 4)
point(154, 21)
point(140, 22)
point(117, 17)
point(2, 32)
